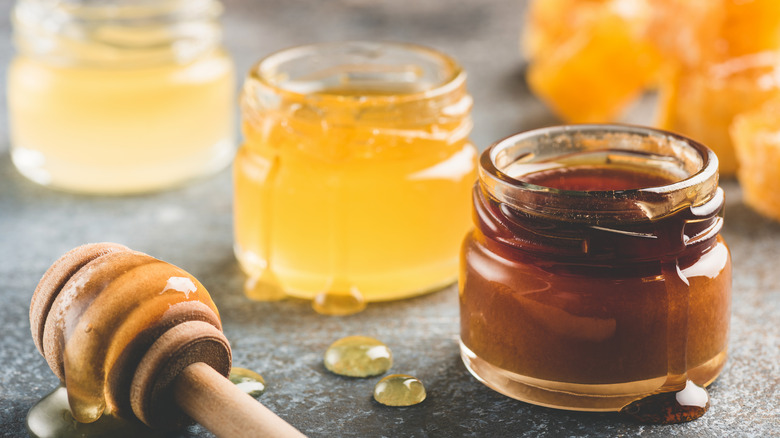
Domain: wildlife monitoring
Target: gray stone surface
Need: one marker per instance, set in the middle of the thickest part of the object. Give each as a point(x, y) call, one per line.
point(191, 227)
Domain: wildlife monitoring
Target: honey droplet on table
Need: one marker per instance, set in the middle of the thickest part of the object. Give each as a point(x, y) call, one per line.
point(399, 390)
point(339, 302)
point(670, 407)
point(51, 417)
point(358, 356)
point(248, 381)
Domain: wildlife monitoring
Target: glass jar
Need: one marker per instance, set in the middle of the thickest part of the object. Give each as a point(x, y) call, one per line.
point(119, 96)
point(355, 174)
point(595, 275)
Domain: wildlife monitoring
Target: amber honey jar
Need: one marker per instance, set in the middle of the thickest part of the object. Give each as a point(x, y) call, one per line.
point(595, 274)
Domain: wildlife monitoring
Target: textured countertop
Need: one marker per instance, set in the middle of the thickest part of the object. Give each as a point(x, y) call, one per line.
point(191, 227)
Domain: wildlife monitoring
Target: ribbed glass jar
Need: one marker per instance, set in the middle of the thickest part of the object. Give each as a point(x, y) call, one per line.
point(595, 274)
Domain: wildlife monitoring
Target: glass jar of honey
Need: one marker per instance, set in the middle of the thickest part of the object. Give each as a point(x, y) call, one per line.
point(119, 96)
point(355, 174)
point(595, 275)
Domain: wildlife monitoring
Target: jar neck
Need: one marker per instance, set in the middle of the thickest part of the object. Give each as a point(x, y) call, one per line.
point(116, 33)
point(358, 91)
point(687, 231)
point(647, 223)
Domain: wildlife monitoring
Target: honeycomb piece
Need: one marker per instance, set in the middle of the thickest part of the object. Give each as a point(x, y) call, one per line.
point(749, 26)
point(756, 137)
point(548, 23)
point(598, 71)
point(701, 103)
point(685, 31)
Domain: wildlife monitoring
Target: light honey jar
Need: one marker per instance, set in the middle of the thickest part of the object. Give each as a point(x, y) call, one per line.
point(354, 177)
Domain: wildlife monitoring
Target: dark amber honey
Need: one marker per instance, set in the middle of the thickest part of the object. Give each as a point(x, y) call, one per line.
point(592, 310)
point(592, 178)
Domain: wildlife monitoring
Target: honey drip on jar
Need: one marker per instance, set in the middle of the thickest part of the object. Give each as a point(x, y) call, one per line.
point(670, 407)
point(51, 417)
point(340, 297)
point(339, 301)
point(680, 400)
point(266, 286)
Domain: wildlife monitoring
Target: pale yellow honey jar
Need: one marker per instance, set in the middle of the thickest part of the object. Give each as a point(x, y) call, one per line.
point(119, 96)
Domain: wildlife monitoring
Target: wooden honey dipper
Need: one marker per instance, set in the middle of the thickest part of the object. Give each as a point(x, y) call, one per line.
point(134, 335)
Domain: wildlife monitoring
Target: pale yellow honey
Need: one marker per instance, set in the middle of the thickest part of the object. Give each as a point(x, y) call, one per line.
point(120, 130)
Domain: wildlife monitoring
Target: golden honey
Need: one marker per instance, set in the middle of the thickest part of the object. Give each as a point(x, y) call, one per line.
point(121, 96)
point(355, 173)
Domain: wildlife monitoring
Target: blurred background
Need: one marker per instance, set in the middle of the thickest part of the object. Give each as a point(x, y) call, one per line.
point(191, 227)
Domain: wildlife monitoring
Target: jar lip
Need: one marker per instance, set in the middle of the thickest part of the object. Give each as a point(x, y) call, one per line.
point(116, 33)
point(265, 73)
point(647, 202)
point(709, 164)
point(122, 11)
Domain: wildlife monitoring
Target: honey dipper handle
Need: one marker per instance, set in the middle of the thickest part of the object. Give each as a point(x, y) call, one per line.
point(218, 405)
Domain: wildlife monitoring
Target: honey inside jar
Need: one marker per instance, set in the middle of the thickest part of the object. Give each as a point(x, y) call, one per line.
point(590, 178)
point(119, 96)
point(355, 172)
point(595, 275)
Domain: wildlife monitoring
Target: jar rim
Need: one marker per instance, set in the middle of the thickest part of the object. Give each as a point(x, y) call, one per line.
point(86, 11)
point(266, 72)
point(117, 33)
point(693, 190)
